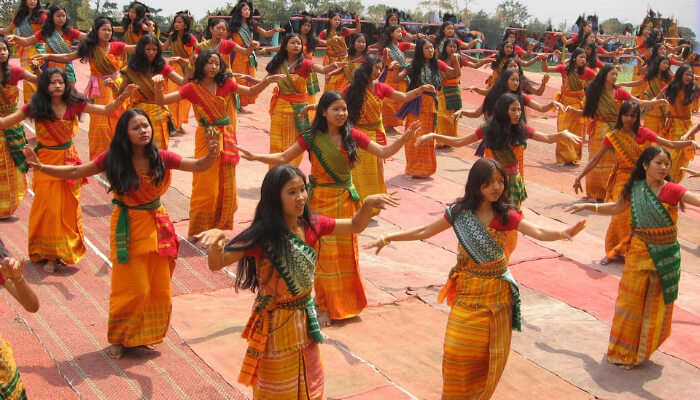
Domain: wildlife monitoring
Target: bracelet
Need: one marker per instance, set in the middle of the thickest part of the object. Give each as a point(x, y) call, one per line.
point(596, 207)
point(385, 241)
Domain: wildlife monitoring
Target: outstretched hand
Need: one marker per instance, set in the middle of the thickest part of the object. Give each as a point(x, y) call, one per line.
point(213, 238)
point(382, 200)
point(31, 157)
point(574, 229)
point(246, 154)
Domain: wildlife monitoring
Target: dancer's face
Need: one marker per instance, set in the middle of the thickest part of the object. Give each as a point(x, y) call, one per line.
point(664, 65)
point(140, 131)
point(612, 76)
point(294, 46)
point(104, 34)
point(335, 21)
point(512, 65)
point(393, 20)
point(132, 13)
point(428, 51)
point(493, 190)
point(179, 24)
point(212, 67)
point(59, 18)
point(377, 70)
point(56, 85)
point(151, 51)
point(514, 112)
point(451, 48)
point(337, 113)
point(629, 119)
point(688, 77)
point(508, 49)
point(581, 59)
point(396, 34)
point(305, 28)
point(449, 30)
point(513, 82)
point(4, 53)
point(31, 4)
point(218, 31)
point(360, 44)
point(294, 197)
point(245, 11)
point(658, 167)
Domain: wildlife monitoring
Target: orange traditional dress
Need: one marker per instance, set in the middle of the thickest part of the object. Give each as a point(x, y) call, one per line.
point(351, 66)
point(144, 98)
point(603, 122)
point(638, 73)
point(678, 123)
point(103, 66)
point(485, 302)
point(130, 37)
point(242, 64)
point(627, 150)
point(225, 47)
point(420, 159)
point(288, 99)
point(389, 106)
point(283, 360)
point(181, 110)
point(655, 119)
point(312, 84)
point(449, 101)
point(13, 183)
point(338, 285)
point(55, 219)
point(368, 173)
point(214, 199)
point(27, 28)
point(11, 386)
point(650, 277)
point(60, 43)
point(491, 80)
point(572, 94)
point(513, 162)
point(336, 50)
point(143, 249)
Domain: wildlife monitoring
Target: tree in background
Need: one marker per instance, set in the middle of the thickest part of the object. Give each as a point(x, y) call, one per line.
point(512, 13)
point(7, 11)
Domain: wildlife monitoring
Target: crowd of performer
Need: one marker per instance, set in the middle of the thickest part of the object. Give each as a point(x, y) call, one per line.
point(300, 254)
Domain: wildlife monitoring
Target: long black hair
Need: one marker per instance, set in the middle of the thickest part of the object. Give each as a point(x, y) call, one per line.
point(40, 105)
point(417, 66)
point(592, 58)
point(441, 33)
point(201, 62)
point(355, 94)
point(237, 20)
point(87, 46)
point(500, 87)
point(655, 69)
point(386, 40)
point(136, 24)
point(269, 228)
point(676, 85)
point(595, 90)
point(5, 67)
point(500, 132)
point(24, 11)
point(627, 107)
point(311, 40)
point(443, 53)
point(656, 36)
point(276, 62)
point(501, 55)
point(571, 65)
point(330, 16)
point(639, 173)
point(187, 20)
point(351, 49)
point(139, 62)
point(320, 124)
point(48, 28)
point(121, 174)
point(480, 174)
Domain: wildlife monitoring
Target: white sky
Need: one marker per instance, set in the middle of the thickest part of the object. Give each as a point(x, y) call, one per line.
point(687, 11)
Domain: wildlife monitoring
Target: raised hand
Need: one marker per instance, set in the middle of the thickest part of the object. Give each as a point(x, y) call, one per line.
point(411, 130)
point(377, 244)
point(571, 136)
point(382, 200)
point(158, 79)
point(574, 229)
point(575, 208)
point(423, 139)
point(246, 154)
point(12, 268)
point(213, 238)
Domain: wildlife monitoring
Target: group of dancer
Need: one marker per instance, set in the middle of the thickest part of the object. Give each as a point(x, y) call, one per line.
point(300, 254)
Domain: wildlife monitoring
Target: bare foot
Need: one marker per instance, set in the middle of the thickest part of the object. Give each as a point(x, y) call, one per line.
point(115, 351)
point(324, 319)
point(50, 267)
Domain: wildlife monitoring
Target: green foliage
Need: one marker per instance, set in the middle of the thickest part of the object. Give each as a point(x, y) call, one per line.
point(512, 13)
point(7, 11)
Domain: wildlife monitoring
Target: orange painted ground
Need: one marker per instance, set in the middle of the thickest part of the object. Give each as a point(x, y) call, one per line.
point(394, 349)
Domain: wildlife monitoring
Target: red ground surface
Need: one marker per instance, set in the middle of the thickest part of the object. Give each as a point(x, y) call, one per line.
point(393, 350)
